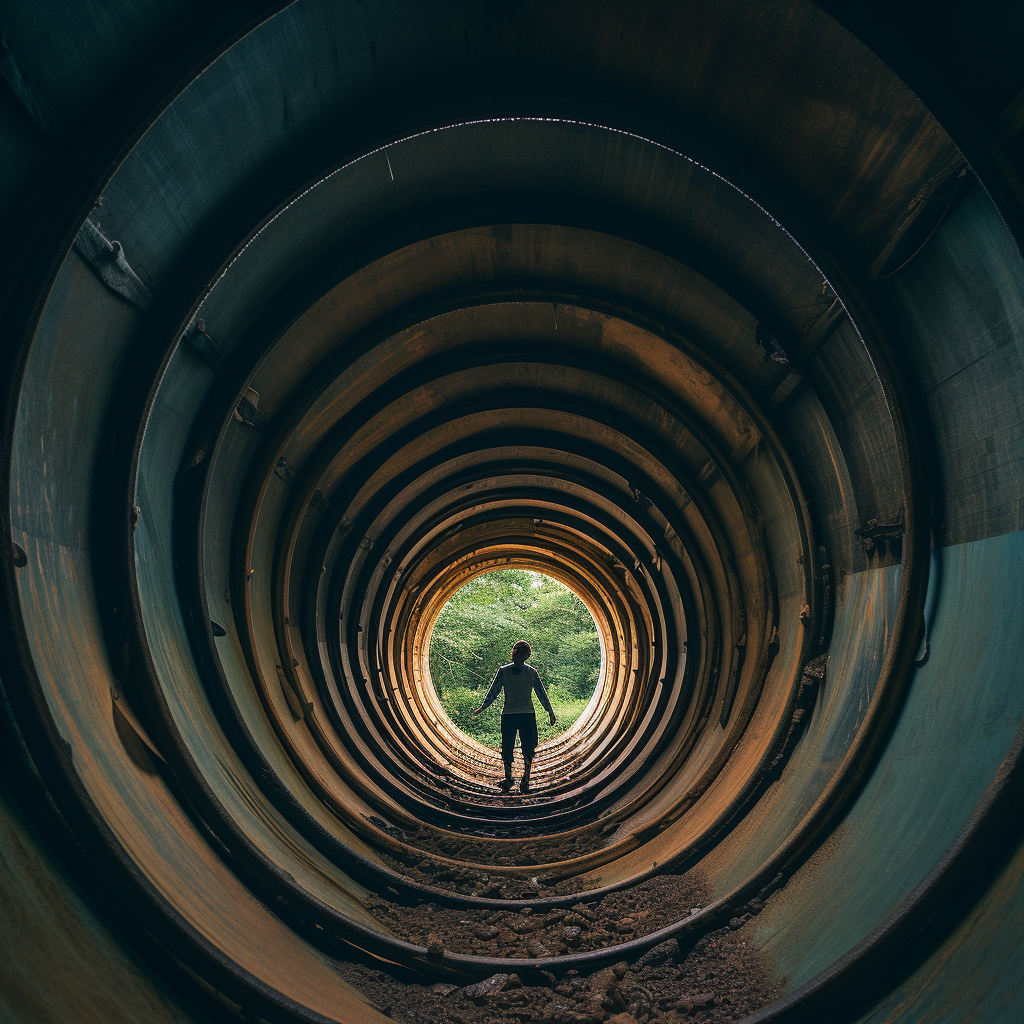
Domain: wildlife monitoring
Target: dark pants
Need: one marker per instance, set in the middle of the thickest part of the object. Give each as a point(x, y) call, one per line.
point(526, 726)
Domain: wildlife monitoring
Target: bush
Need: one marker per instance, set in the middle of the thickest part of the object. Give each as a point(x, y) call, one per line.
point(474, 634)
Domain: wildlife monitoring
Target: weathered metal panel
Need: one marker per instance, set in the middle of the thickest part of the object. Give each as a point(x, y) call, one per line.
point(958, 309)
point(59, 960)
point(841, 138)
point(977, 974)
point(866, 608)
point(961, 715)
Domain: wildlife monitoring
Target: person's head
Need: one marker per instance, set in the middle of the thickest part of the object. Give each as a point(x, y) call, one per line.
point(521, 650)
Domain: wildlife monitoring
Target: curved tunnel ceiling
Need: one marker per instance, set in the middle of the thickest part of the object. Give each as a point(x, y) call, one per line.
point(719, 328)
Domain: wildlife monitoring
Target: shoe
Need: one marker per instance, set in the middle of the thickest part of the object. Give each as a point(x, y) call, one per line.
point(505, 785)
point(524, 786)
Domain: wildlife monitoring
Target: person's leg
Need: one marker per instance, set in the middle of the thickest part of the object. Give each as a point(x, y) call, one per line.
point(508, 745)
point(528, 738)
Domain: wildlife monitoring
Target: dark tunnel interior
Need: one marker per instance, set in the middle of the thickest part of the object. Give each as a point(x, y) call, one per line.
point(314, 311)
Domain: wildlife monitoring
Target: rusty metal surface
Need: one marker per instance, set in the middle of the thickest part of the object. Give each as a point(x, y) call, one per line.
point(549, 330)
point(60, 961)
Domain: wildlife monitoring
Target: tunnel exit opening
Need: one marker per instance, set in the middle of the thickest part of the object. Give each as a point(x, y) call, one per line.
point(473, 636)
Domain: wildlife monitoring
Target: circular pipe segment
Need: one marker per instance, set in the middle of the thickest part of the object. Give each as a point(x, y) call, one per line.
point(470, 335)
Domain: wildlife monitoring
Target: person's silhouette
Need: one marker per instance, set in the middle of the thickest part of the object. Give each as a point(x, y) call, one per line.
point(518, 680)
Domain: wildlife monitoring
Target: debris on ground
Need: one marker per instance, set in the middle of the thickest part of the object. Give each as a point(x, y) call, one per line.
point(721, 978)
point(616, 918)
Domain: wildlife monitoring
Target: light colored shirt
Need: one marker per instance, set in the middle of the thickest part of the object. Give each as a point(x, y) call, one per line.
point(518, 682)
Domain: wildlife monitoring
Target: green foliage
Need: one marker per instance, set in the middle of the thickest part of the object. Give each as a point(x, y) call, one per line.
point(474, 635)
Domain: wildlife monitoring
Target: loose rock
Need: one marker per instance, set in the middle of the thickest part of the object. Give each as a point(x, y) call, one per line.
point(604, 980)
point(524, 925)
point(666, 985)
point(488, 987)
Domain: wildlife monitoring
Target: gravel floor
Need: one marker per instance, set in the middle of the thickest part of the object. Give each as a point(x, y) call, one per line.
point(618, 917)
point(720, 979)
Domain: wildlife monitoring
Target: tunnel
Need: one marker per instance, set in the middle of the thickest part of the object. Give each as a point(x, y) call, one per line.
point(315, 311)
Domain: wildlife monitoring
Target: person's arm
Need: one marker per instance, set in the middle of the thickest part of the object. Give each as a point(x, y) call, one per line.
point(543, 695)
point(491, 693)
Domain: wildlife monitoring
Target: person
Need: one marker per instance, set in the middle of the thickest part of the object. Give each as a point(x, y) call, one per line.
point(518, 680)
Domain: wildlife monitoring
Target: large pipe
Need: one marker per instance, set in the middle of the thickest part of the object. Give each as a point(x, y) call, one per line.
point(751, 389)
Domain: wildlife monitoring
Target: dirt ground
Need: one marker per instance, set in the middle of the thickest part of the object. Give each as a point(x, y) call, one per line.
point(618, 917)
point(484, 851)
point(477, 882)
point(718, 978)
point(721, 978)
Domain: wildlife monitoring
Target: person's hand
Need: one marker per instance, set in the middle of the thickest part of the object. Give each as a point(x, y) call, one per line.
point(478, 710)
point(551, 714)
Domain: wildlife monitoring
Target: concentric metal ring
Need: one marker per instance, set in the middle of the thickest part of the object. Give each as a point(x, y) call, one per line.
point(567, 343)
